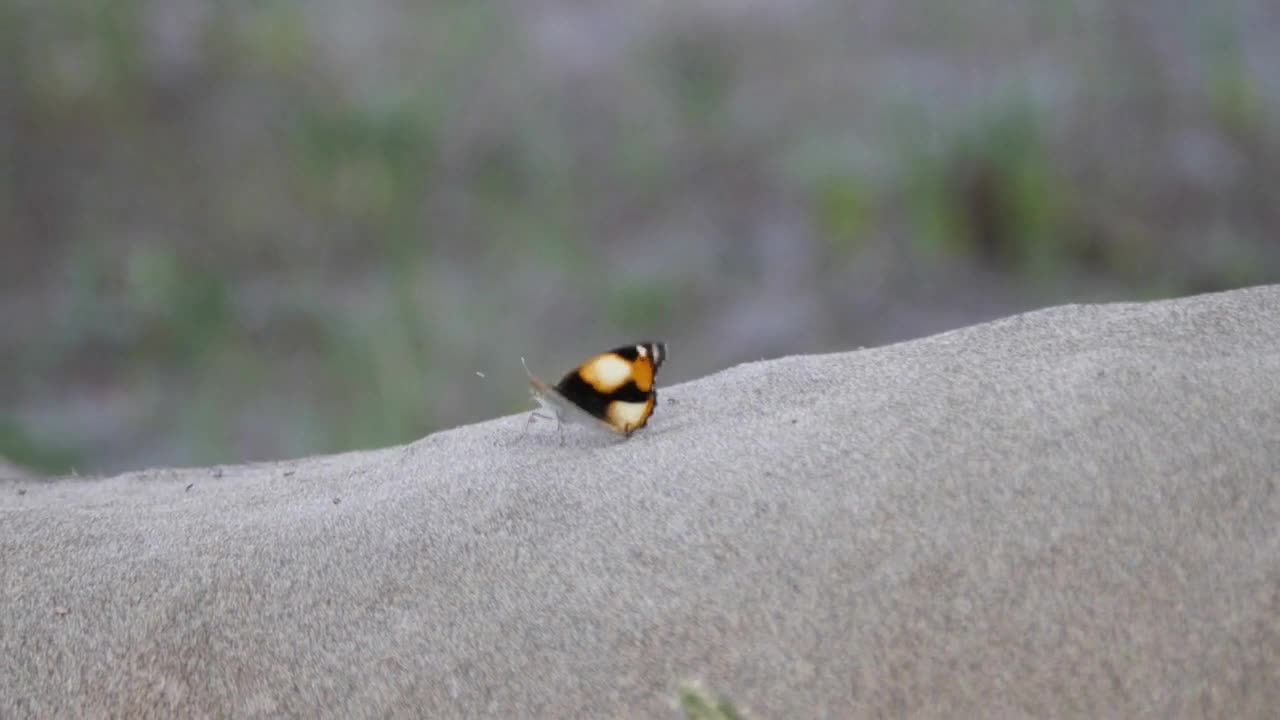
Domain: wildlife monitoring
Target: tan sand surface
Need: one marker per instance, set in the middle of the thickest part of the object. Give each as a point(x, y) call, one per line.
point(1072, 512)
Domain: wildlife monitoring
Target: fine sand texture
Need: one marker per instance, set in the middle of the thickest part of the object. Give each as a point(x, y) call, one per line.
point(1067, 513)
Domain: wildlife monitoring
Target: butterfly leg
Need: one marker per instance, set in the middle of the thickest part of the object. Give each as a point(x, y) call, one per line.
point(532, 416)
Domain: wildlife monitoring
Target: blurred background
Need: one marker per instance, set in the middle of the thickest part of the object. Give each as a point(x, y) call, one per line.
point(251, 230)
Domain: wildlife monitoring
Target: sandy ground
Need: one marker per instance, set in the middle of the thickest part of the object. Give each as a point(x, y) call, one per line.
point(1071, 512)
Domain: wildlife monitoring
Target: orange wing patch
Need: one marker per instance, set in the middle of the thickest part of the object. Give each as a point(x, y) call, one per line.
point(642, 373)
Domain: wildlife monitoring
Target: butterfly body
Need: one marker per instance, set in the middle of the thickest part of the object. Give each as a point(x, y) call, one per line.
point(613, 391)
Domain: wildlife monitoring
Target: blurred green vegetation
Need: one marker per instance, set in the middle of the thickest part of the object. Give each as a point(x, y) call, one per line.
point(18, 446)
point(251, 231)
point(697, 704)
point(991, 191)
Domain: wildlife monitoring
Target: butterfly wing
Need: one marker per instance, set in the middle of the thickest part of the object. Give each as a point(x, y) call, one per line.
point(563, 408)
point(613, 390)
point(617, 386)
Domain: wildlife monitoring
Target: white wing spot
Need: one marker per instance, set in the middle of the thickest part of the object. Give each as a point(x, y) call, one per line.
point(627, 414)
point(610, 372)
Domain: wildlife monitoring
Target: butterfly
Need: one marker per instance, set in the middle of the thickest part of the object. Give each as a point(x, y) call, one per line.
point(613, 391)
